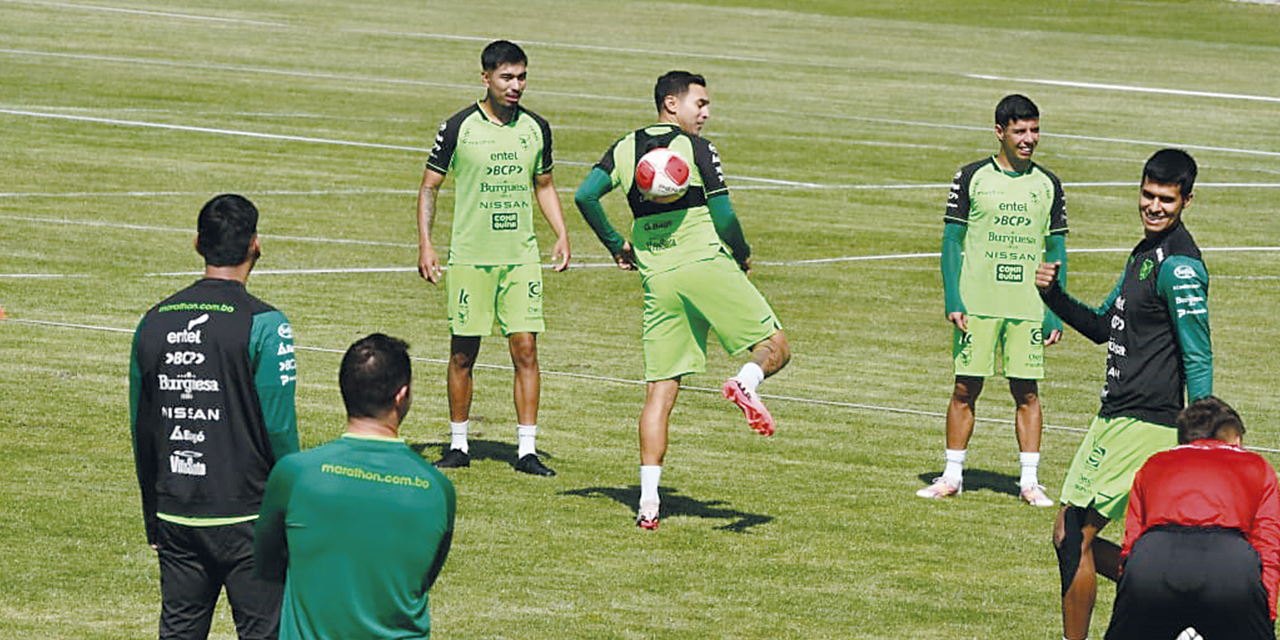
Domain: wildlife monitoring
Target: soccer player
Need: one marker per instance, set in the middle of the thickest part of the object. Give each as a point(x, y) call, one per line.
point(211, 398)
point(1005, 215)
point(500, 156)
point(1201, 516)
point(693, 263)
point(360, 526)
point(1156, 326)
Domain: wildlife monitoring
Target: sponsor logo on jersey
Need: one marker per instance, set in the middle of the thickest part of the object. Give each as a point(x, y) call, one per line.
point(184, 358)
point(1188, 300)
point(1020, 207)
point(505, 221)
point(1095, 456)
point(1117, 349)
point(289, 365)
point(1010, 255)
point(285, 379)
point(535, 289)
point(1120, 302)
point(1009, 238)
point(285, 331)
point(186, 435)
point(486, 187)
point(1145, 268)
point(187, 463)
point(1037, 336)
point(198, 414)
point(1009, 272)
point(1184, 272)
point(1117, 323)
point(503, 170)
point(188, 384)
point(285, 349)
point(1192, 312)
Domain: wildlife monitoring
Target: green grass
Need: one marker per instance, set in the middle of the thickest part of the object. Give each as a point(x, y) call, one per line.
point(811, 534)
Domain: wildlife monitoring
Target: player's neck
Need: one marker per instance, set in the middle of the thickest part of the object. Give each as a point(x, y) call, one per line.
point(497, 113)
point(380, 427)
point(238, 273)
point(1017, 166)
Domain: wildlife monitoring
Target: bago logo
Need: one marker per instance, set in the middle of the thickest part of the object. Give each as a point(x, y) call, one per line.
point(1183, 272)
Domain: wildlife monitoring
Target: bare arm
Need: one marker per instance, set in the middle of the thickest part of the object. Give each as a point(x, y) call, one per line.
point(428, 261)
point(544, 188)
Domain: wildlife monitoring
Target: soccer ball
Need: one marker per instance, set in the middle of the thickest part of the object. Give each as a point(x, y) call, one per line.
point(662, 175)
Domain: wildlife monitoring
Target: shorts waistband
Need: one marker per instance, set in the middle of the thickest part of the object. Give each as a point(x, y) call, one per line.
point(1182, 528)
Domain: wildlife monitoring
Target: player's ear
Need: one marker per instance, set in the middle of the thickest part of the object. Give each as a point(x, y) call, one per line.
point(669, 103)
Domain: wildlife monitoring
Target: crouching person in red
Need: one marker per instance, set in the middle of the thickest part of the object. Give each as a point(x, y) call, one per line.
point(1202, 536)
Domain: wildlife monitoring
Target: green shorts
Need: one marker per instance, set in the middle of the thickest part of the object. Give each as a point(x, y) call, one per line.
point(479, 293)
point(1019, 342)
point(683, 304)
point(1102, 471)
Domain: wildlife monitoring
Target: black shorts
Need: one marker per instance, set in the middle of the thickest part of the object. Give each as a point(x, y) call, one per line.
point(1209, 579)
point(195, 563)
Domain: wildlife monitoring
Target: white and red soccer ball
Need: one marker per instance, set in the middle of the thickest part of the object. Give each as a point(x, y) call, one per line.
point(662, 175)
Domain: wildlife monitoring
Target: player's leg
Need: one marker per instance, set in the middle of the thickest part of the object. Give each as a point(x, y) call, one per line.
point(471, 307)
point(255, 603)
point(1074, 533)
point(743, 321)
point(518, 309)
point(1022, 346)
point(1028, 424)
point(960, 420)
point(524, 357)
point(188, 593)
point(660, 397)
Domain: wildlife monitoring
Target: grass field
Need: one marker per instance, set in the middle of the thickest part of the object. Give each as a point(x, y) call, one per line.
point(840, 124)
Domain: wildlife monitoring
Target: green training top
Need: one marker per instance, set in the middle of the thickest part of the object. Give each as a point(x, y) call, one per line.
point(666, 236)
point(1007, 217)
point(493, 167)
point(363, 525)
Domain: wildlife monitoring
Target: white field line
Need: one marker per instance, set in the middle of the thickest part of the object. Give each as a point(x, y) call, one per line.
point(637, 383)
point(1187, 93)
point(160, 14)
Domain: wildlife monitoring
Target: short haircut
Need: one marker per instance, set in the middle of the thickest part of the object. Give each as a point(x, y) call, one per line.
point(500, 52)
point(1208, 417)
point(674, 83)
point(225, 230)
point(372, 371)
point(1171, 166)
point(1015, 107)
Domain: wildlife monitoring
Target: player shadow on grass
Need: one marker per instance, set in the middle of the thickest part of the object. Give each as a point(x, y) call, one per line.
point(975, 479)
point(678, 505)
point(477, 450)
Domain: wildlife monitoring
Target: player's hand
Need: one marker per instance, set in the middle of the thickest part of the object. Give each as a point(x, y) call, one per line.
point(959, 319)
point(1054, 337)
point(429, 264)
point(626, 258)
point(560, 254)
point(745, 265)
point(1046, 273)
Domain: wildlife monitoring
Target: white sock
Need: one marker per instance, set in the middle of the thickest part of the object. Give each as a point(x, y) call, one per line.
point(527, 436)
point(650, 475)
point(458, 435)
point(751, 375)
point(1030, 466)
point(954, 470)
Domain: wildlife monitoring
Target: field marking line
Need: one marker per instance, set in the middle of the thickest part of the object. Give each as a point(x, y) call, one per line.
point(306, 74)
point(1125, 87)
point(162, 14)
point(630, 382)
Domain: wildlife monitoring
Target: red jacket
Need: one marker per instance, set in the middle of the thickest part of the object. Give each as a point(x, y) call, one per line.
point(1210, 483)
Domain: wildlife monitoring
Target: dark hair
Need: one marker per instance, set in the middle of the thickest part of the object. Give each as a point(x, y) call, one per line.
point(225, 229)
point(500, 52)
point(1208, 417)
point(674, 83)
point(1015, 107)
point(372, 371)
point(1171, 166)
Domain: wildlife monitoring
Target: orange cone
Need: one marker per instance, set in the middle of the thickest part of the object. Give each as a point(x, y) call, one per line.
point(2, 315)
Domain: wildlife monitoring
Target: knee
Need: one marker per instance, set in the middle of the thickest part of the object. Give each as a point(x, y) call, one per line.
point(1026, 393)
point(967, 390)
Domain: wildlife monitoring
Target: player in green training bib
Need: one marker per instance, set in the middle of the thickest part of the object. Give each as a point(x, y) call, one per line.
point(693, 264)
point(500, 156)
point(1005, 215)
point(358, 529)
